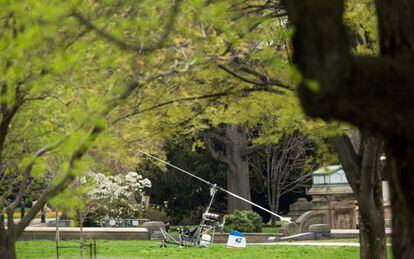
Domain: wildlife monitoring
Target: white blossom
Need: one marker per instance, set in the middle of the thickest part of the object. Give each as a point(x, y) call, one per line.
point(112, 195)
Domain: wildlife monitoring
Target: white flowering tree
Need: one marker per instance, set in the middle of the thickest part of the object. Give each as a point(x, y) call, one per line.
point(111, 196)
point(115, 196)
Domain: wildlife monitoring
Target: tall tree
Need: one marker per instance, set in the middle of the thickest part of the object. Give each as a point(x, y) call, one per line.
point(235, 153)
point(281, 166)
point(374, 93)
point(359, 153)
point(52, 109)
point(360, 20)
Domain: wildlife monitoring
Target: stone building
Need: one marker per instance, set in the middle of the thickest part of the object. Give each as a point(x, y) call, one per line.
point(333, 201)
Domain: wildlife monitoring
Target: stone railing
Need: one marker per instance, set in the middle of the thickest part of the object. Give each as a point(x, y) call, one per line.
point(72, 233)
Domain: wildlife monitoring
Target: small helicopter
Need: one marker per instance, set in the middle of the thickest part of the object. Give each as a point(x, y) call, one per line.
point(203, 234)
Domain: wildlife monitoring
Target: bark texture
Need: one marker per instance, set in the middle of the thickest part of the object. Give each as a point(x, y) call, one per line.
point(7, 247)
point(360, 156)
point(402, 197)
point(236, 151)
point(373, 93)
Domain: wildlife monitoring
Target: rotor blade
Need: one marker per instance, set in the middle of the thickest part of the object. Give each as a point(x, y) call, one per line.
point(254, 204)
point(220, 188)
point(173, 166)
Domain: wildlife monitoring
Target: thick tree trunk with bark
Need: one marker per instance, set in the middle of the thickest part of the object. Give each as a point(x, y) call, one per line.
point(238, 180)
point(402, 197)
point(235, 155)
point(371, 209)
point(373, 93)
point(371, 223)
point(360, 158)
point(7, 246)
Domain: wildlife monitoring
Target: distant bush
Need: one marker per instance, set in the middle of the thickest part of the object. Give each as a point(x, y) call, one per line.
point(193, 217)
point(155, 214)
point(256, 220)
point(244, 221)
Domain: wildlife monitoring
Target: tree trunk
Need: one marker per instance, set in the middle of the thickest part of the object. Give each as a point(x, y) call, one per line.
point(274, 207)
point(7, 247)
point(355, 89)
point(273, 220)
point(238, 179)
point(235, 156)
point(371, 210)
point(364, 172)
point(273, 217)
point(402, 197)
point(371, 221)
point(238, 182)
point(372, 238)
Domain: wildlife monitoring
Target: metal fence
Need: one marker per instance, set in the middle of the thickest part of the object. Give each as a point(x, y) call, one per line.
point(61, 223)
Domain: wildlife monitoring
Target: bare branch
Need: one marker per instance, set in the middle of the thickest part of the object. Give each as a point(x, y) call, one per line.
point(264, 80)
point(283, 163)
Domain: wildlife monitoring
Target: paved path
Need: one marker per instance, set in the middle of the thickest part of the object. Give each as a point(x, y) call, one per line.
point(304, 243)
point(308, 244)
point(354, 231)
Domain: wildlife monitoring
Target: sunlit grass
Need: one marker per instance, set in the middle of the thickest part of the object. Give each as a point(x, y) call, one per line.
point(151, 249)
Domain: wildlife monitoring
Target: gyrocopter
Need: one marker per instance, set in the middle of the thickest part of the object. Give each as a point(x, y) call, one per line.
point(203, 234)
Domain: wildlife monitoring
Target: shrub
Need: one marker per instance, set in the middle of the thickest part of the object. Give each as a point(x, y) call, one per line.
point(193, 217)
point(256, 220)
point(156, 214)
point(244, 221)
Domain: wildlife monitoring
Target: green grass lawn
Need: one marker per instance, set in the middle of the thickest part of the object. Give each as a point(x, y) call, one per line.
point(151, 249)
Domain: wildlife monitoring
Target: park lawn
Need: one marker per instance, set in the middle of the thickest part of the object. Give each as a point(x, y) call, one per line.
point(150, 249)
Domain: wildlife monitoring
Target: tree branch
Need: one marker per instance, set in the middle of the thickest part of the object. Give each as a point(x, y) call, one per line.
point(77, 155)
point(333, 78)
point(264, 79)
point(251, 150)
point(350, 160)
point(216, 154)
point(194, 98)
point(52, 191)
point(168, 28)
point(26, 173)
